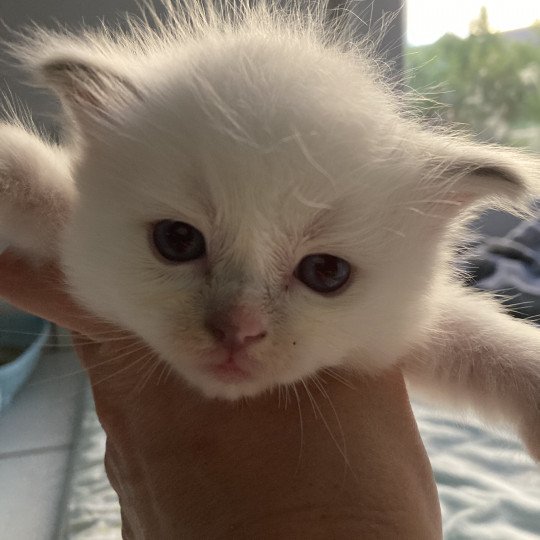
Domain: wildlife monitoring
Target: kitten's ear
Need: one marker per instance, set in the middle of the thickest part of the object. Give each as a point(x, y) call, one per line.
point(91, 92)
point(460, 175)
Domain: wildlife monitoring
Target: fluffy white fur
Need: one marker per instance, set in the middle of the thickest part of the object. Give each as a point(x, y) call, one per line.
point(275, 138)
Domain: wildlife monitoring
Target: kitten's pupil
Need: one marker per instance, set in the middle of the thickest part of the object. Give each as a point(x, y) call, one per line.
point(177, 241)
point(323, 273)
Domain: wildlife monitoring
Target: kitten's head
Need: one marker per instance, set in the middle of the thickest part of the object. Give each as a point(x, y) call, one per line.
point(252, 204)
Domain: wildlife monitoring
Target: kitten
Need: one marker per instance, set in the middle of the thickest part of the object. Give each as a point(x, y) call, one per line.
point(241, 190)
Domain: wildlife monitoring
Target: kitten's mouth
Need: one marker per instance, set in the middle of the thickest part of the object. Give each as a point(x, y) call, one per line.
point(229, 371)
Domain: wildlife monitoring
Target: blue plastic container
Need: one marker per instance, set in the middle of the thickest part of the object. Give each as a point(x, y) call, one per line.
point(25, 332)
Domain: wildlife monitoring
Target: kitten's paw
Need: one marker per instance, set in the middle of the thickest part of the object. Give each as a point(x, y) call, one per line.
point(36, 191)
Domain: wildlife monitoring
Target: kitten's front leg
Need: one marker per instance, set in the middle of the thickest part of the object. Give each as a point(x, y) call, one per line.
point(478, 357)
point(36, 192)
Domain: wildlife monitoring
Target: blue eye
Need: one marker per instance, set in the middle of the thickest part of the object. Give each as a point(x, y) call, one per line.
point(323, 273)
point(177, 241)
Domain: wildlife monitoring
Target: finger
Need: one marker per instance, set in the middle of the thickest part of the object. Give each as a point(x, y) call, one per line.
point(41, 290)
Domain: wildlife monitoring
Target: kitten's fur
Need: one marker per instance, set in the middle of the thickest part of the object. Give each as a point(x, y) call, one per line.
point(276, 139)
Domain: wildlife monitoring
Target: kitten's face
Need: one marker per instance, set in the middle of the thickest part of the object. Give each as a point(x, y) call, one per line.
point(251, 203)
point(247, 266)
point(257, 214)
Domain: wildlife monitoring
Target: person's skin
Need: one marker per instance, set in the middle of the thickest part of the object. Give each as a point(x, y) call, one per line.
point(349, 464)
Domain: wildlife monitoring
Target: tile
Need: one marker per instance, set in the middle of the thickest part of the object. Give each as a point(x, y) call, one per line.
point(31, 491)
point(44, 413)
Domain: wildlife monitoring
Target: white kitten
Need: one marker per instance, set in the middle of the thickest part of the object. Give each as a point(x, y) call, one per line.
point(251, 200)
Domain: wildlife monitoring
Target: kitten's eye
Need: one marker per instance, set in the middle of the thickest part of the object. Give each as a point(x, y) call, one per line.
point(178, 241)
point(323, 273)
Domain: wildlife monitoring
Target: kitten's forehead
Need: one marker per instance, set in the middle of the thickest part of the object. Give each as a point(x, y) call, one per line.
point(256, 201)
point(264, 166)
point(253, 109)
point(293, 168)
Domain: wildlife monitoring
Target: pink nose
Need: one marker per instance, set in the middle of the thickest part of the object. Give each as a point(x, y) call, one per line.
point(238, 326)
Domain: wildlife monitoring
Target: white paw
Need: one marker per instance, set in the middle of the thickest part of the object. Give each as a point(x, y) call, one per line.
point(36, 191)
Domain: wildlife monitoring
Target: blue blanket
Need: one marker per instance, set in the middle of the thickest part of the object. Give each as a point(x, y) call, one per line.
point(510, 266)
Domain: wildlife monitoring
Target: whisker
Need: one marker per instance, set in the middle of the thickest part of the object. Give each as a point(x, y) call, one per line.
point(310, 396)
point(318, 381)
point(123, 369)
point(166, 367)
point(154, 365)
point(336, 376)
point(50, 380)
point(92, 367)
point(169, 371)
point(301, 420)
point(328, 428)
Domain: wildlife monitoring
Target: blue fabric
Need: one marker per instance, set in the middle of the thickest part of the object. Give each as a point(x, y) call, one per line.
point(510, 266)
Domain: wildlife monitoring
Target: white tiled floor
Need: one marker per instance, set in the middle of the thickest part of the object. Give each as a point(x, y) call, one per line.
point(36, 438)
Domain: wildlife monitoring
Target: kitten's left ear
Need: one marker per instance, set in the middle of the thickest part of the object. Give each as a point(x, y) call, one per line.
point(465, 174)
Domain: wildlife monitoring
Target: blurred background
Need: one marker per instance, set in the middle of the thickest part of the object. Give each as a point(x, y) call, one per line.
point(483, 74)
point(471, 62)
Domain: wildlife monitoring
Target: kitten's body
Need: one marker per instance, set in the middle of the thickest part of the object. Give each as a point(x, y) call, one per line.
point(275, 140)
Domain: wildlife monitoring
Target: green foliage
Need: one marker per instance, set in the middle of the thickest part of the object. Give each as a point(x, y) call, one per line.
point(480, 26)
point(487, 82)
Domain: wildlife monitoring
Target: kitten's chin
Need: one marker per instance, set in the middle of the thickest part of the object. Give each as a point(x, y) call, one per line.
point(227, 386)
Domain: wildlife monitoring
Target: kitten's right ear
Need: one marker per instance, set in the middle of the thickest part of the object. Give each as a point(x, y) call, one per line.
point(89, 91)
point(86, 86)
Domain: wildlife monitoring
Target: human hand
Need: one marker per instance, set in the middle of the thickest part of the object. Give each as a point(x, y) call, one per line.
point(333, 459)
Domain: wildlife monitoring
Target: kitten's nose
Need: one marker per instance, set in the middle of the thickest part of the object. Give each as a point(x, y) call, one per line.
point(239, 326)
